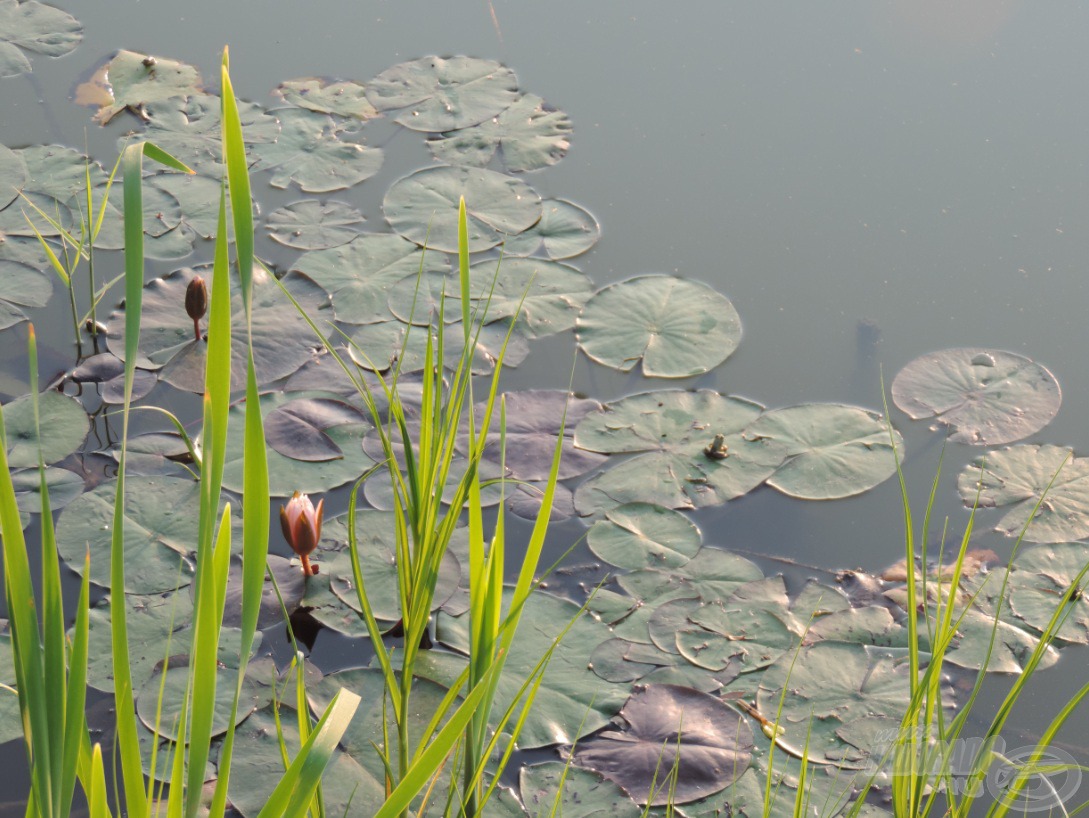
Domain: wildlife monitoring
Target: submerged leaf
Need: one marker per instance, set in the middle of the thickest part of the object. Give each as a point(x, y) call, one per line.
point(988, 397)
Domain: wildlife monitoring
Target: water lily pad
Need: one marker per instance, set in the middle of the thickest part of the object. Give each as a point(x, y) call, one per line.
point(287, 475)
point(131, 80)
point(571, 700)
point(310, 224)
point(667, 725)
point(21, 286)
point(344, 98)
point(360, 274)
point(198, 197)
point(725, 633)
point(832, 450)
point(290, 582)
point(63, 485)
point(1018, 477)
point(389, 343)
point(297, 428)
point(525, 501)
point(160, 532)
point(987, 397)
point(677, 328)
point(545, 295)
point(162, 715)
point(63, 422)
point(13, 175)
point(586, 794)
point(529, 135)
point(282, 339)
point(311, 153)
point(58, 171)
point(35, 27)
point(621, 660)
point(675, 429)
point(1041, 576)
point(444, 94)
point(423, 207)
point(641, 535)
point(565, 230)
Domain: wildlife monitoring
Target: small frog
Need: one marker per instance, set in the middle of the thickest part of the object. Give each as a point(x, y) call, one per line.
point(718, 450)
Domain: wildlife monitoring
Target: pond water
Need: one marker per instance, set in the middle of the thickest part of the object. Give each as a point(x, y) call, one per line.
point(865, 188)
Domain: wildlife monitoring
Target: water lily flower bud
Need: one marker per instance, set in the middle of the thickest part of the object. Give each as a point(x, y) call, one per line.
point(196, 302)
point(301, 523)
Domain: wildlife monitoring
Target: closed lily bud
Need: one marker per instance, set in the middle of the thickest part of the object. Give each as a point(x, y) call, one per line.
point(301, 523)
point(196, 302)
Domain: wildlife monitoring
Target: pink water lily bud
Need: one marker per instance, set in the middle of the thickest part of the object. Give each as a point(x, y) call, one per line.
point(301, 523)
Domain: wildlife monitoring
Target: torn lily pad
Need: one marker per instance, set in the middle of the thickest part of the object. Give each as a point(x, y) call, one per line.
point(310, 152)
point(423, 207)
point(674, 429)
point(345, 98)
point(35, 27)
point(565, 230)
point(131, 80)
point(831, 450)
point(314, 225)
point(667, 726)
point(529, 135)
point(444, 94)
point(676, 328)
point(642, 535)
point(1017, 477)
point(987, 397)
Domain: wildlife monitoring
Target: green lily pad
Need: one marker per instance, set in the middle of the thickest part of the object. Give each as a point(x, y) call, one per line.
point(160, 532)
point(1041, 576)
point(586, 794)
point(312, 225)
point(832, 450)
point(668, 726)
point(384, 344)
point(525, 501)
point(444, 94)
point(162, 715)
point(287, 475)
point(64, 424)
point(64, 486)
point(572, 700)
point(35, 27)
point(565, 230)
point(987, 397)
point(297, 428)
point(344, 98)
point(725, 633)
point(257, 767)
point(1017, 477)
point(641, 535)
point(423, 207)
point(360, 274)
point(162, 214)
point(545, 295)
point(290, 582)
point(621, 660)
point(21, 286)
point(59, 172)
point(13, 175)
point(677, 328)
point(711, 574)
point(282, 339)
point(198, 197)
point(131, 80)
point(529, 135)
point(311, 153)
point(675, 428)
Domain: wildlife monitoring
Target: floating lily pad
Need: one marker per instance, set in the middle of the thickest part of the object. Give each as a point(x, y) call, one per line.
point(287, 475)
point(359, 275)
point(297, 428)
point(21, 286)
point(162, 715)
point(131, 80)
point(36, 27)
point(675, 428)
point(13, 174)
point(545, 295)
point(987, 397)
point(641, 535)
point(717, 635)
point(379, 491)
point(529, 135)
point(312, 225)
point(677, 328)
point(525, 501)
point(162, 214)
point(423, 207)
point(571, 700)
point(310, 152)
point(198, 197)
point(620, 660)
point(345, 98)
point(534, 419)
point(282, 339)
point(1018, 477)
point(64, 424)
point(586, 794)
point(384, 344)
point(832, 450)
point(59, 172)
point(1041, 577)
point(63, 485)
point(444, 94)
point(290, 582)
point(665, 726)
point(565, 230)
point(160, 532)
